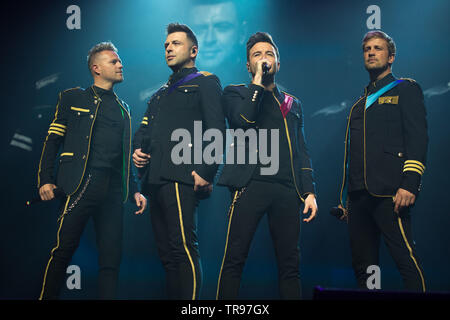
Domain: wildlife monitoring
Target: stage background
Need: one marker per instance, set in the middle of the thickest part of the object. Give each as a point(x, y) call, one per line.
point(321, 64)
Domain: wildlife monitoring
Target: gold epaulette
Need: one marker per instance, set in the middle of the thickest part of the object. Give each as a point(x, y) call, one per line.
point(206, 73)
point(72, 89)
point(408, 79)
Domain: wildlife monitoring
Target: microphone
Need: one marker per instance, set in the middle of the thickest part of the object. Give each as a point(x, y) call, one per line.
point(337, 212)
point(265, 68)
point(58, 192)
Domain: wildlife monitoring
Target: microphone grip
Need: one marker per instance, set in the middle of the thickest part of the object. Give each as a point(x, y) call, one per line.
point(337, 212)
point(265, 68)
point(58, 192)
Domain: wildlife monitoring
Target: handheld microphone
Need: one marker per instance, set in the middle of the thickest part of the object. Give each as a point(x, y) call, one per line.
point(265, 68)
point(58, 192)
point(337, 212)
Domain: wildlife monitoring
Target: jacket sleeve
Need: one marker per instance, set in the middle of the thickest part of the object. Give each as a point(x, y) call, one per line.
point(213, 118)
point(133, 185)
point(53, 141)
point(242, 105)
point(145, 124)
point(415, 136)
point(306, 170)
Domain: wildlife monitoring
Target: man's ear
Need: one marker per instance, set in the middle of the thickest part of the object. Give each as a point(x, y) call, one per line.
point(95, 69)
point(391, 59)
point(194, 52)
point(248, 67)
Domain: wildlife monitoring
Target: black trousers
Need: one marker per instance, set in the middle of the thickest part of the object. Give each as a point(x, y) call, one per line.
point(248, 207)
point(174, 221)
point(100, 197)
point(369, 218)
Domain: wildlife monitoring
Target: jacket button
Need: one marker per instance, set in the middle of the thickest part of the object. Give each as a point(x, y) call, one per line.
point(78, 113)
point(84, 156)
point(92, 116)
point(87, 137)
point(400, 154)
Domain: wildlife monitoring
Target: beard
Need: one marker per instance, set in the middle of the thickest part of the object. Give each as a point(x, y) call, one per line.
point(377, 69)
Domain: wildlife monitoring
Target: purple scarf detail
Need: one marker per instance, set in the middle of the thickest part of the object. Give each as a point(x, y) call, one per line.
point(184, 80)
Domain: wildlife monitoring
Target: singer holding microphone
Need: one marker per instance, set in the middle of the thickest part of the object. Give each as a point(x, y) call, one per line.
point(93, 128)
point(262, 106)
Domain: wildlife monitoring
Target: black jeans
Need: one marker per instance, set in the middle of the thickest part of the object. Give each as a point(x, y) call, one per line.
point(100, 197)
point(370, 217)
point(248, 207)
point(174, 221)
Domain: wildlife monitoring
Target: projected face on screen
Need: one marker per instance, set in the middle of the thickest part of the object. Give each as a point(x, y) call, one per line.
point(218, 32)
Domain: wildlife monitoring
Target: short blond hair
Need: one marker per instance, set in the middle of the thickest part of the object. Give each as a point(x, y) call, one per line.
point(381, 35)
point(102, 46)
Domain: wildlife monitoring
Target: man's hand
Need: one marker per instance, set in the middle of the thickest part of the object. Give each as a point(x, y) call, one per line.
point(310, 204)
point(46, 192)
point(345, 215)
point(201, 184)
point(140, 159)
point(403, 198)
point(257, 79)
point(141, 202)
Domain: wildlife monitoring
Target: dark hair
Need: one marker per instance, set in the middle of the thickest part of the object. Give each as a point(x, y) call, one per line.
point(102, 46)
point(176, 27)
point(260, 37)
point(381, 35)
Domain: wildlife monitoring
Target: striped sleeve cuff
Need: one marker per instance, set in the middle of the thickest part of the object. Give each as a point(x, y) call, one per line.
point(58, 129)
point(415, 166)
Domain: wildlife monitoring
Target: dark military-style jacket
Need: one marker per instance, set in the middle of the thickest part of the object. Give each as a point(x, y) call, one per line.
point(71, 130)
point(171, 109)
point(242, 105)
point(395, 139)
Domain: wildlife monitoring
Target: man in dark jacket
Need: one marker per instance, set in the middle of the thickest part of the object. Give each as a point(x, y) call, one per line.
point(189, 102)
point(93, 128)
point(278, 189)
point(385, 155)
